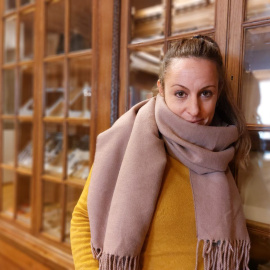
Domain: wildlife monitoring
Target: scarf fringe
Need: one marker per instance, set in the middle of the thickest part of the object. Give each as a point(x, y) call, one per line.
point(225, 255)
point(114, 262)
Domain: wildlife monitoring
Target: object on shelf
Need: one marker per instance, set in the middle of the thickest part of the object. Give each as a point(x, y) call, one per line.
point(25, 156)
point(84, 94)
point(51, 219)
point(78, 161)
point(53, 153)
point(24, 214)
point(27, 108)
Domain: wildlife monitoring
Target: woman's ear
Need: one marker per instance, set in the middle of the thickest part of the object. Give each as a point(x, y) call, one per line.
point(160, 88)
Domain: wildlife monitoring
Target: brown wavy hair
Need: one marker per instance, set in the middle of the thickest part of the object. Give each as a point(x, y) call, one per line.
point(205, 47)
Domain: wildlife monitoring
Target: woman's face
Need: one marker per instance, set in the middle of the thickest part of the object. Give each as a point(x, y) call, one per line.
point(191, 89)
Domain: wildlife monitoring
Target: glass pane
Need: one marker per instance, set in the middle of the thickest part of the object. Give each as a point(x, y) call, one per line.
point(24, 199)
point(80, 24)
point(10, 40)
point(53, 160)
point(8, 142)
point(257, 9)
point(147, 20)
point(54, 83)
point(52, 211)
point(256, 76)
point(27, 36)
point(25, 145)
point(254, 182)
point(191, 15)
point(26, 2)
point(26, 87)
point(7, 196)
point(78, 151)
point(143, 73)
point(73, 195)
point(10, 5)
point(80, 87)
point(9, 91)
point(55, 14)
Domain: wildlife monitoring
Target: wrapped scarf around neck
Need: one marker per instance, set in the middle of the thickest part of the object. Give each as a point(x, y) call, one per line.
point(126, 179)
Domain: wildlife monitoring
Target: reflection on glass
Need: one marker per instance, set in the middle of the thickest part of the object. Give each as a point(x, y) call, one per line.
point(52, 211)
point(80, 25)
point(147, 20)
point(10, 5)
point(254, 183)
point(73, 195)
point(257, 9)
point(143, 73)
point(55, 12)
point(10, 40)
point(80, 87)
point(256, 76)
point(78, 151)
point(25, 145)
point(9, 89)
point(24, 199)
point(191, 15)
point(26, 2)
point(26, 36)
point(8, 142)
point(7, 196)
point(26, 87)
point(53, 149)
point(54, 83)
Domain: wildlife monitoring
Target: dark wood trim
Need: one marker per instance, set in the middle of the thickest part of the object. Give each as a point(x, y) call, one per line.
point(124, 67)
point(235, 41)
point(45, 253)
point(221, 26)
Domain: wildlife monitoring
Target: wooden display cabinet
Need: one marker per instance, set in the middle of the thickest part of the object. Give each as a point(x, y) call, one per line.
point(242, 30)
point(50, 114)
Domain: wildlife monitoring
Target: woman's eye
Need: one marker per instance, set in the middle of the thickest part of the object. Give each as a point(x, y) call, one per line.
point(207, 93)
point(180, 94)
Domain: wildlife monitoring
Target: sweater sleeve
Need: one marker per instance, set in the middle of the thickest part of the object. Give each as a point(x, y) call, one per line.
point(80, 236)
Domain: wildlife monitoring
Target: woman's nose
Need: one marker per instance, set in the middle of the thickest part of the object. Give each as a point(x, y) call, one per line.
point(193, 106)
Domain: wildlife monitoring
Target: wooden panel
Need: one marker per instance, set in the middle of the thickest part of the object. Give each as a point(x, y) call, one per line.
point(7, 264)
point(12, 257)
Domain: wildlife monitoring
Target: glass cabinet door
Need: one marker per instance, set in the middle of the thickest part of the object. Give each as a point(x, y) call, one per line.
point(17, 110)
point(188, 16)
point(147, 20)
point(66, 113)
point(151, 26)
point(254, 182)
point(143, 72)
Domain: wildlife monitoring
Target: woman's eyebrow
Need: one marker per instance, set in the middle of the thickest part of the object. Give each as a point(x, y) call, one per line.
point(179, 85)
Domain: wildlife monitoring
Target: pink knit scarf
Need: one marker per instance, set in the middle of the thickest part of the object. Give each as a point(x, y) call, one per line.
point(126, 180)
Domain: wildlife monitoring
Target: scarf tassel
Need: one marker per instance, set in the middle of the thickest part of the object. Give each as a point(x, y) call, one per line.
point(114, 262)
point(225, 255)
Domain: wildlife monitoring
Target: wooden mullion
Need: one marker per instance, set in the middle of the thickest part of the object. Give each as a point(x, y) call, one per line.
point(67, 25)
point(168, 20)
point(235, 42)
point(1, 91)
point(124, 56)
point(81, 53)
point(54, 58)
point(221, 26)
point(94, 76)
point(38, 115)
point(63, 207)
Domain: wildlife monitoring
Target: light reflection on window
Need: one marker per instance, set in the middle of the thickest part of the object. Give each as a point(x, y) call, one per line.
point(264, 108)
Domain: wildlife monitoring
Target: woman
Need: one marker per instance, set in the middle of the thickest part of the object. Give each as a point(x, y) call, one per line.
point(161, 194)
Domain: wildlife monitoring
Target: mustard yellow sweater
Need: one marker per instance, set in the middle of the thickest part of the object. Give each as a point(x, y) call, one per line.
point(171, 241)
